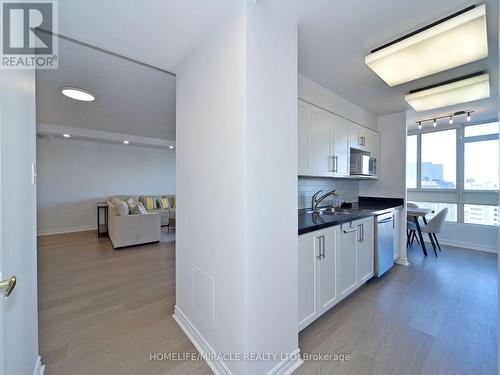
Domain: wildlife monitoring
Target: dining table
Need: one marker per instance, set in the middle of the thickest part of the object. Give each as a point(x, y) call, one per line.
point(417, 213)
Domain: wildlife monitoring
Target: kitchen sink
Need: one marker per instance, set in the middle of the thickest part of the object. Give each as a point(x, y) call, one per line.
point(335, 211)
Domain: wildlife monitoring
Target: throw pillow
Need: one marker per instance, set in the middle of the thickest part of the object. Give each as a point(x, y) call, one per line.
point(122, 209)
point(116, 201)
point(164, 203)
point(141, 208)
point(132, 206)
point(150, 203)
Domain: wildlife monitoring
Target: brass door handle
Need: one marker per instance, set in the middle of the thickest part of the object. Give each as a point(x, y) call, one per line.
point(8, 286)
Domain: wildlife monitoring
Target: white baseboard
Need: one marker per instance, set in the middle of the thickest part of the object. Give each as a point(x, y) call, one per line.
point(402, 261)
point(464, 245)
point(49, 232)
point(287, 367)
point(39, 368)
point(218, 367)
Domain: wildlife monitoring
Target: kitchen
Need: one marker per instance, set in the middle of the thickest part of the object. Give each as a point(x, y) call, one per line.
point(338, 125)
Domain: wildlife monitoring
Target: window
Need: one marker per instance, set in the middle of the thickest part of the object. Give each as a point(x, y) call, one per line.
point(477, 214)
point(481, 165)
point(439, 160)
point(481, 129)
point(456, 168)
point(411, 162)
point(436, 207)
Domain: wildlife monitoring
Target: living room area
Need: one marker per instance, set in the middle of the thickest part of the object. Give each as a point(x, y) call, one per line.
point(106, 203)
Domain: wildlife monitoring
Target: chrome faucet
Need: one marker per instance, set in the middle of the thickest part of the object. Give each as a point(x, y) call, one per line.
point(315, 200)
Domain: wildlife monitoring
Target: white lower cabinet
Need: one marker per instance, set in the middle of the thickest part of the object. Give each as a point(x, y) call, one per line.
point(317, 274)
point(347, 259)
point(365, 249)
point(333, 262)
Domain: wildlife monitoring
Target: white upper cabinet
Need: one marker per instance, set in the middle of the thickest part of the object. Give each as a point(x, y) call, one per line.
point(324, 140)
point(320, 158)
point(340, 146)
point(363, 139)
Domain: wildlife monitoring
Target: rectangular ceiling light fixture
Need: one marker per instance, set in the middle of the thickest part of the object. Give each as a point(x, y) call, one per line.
point(462, 90)
point(450, 42)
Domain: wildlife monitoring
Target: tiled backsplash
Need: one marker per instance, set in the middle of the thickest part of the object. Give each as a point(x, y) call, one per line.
point(348, 190)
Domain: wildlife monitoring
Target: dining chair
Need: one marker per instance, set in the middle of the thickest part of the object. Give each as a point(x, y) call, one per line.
point(411, 231)
point(434, 226)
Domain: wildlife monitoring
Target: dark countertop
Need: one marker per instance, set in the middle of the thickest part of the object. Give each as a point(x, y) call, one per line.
point(367, 206)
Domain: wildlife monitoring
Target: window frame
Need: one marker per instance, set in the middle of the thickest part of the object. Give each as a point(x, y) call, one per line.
point(459, 196)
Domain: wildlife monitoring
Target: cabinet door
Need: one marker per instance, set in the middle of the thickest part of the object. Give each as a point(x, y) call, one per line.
point(365, 249)
point(340, 146)
point(354, 135)
point(347, 260)
point(308, 260)
point(303, 136)
point(327, 270)
point(370, 141)
point(320, 163)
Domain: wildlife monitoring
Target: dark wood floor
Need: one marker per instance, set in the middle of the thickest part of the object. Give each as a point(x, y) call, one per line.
point(103, 311)
point(437, 316)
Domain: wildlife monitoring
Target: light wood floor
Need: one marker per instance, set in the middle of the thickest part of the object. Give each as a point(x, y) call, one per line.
point(437, 316)
point(103, 311)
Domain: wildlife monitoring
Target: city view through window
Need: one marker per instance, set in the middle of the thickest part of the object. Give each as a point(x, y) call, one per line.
point(440, 153)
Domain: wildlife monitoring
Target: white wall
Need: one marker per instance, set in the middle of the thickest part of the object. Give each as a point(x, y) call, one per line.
point(73, 175)
point(391, 166)
point(210, 233)
point(316, 94)
point(272, 247)
point(236, 265)
point(391, 161)
point(476, 237)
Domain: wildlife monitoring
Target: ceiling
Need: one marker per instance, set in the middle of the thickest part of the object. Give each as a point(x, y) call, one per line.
point(158, 32)
point(130, 98)
point(335, 36)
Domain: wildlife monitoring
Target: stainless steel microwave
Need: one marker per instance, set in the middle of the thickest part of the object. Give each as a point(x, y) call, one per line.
point(362, 164)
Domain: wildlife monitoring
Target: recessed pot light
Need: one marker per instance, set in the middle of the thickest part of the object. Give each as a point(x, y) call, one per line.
point(126, 142)
point(66, 135)
point(78, 94)
point(171, 147)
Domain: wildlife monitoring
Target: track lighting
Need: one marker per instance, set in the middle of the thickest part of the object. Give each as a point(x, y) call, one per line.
point(449, 116)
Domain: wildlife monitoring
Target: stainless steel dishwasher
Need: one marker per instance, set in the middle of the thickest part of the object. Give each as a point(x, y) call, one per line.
point(384, 246)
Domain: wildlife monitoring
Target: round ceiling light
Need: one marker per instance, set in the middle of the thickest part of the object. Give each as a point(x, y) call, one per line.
point(78, 94)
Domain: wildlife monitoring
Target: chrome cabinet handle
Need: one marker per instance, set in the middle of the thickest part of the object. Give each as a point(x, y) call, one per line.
point(333, 163)
point(8, 285)
point(336, 163)
point(323, 247)
point(349, 230)
point(319, 247)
